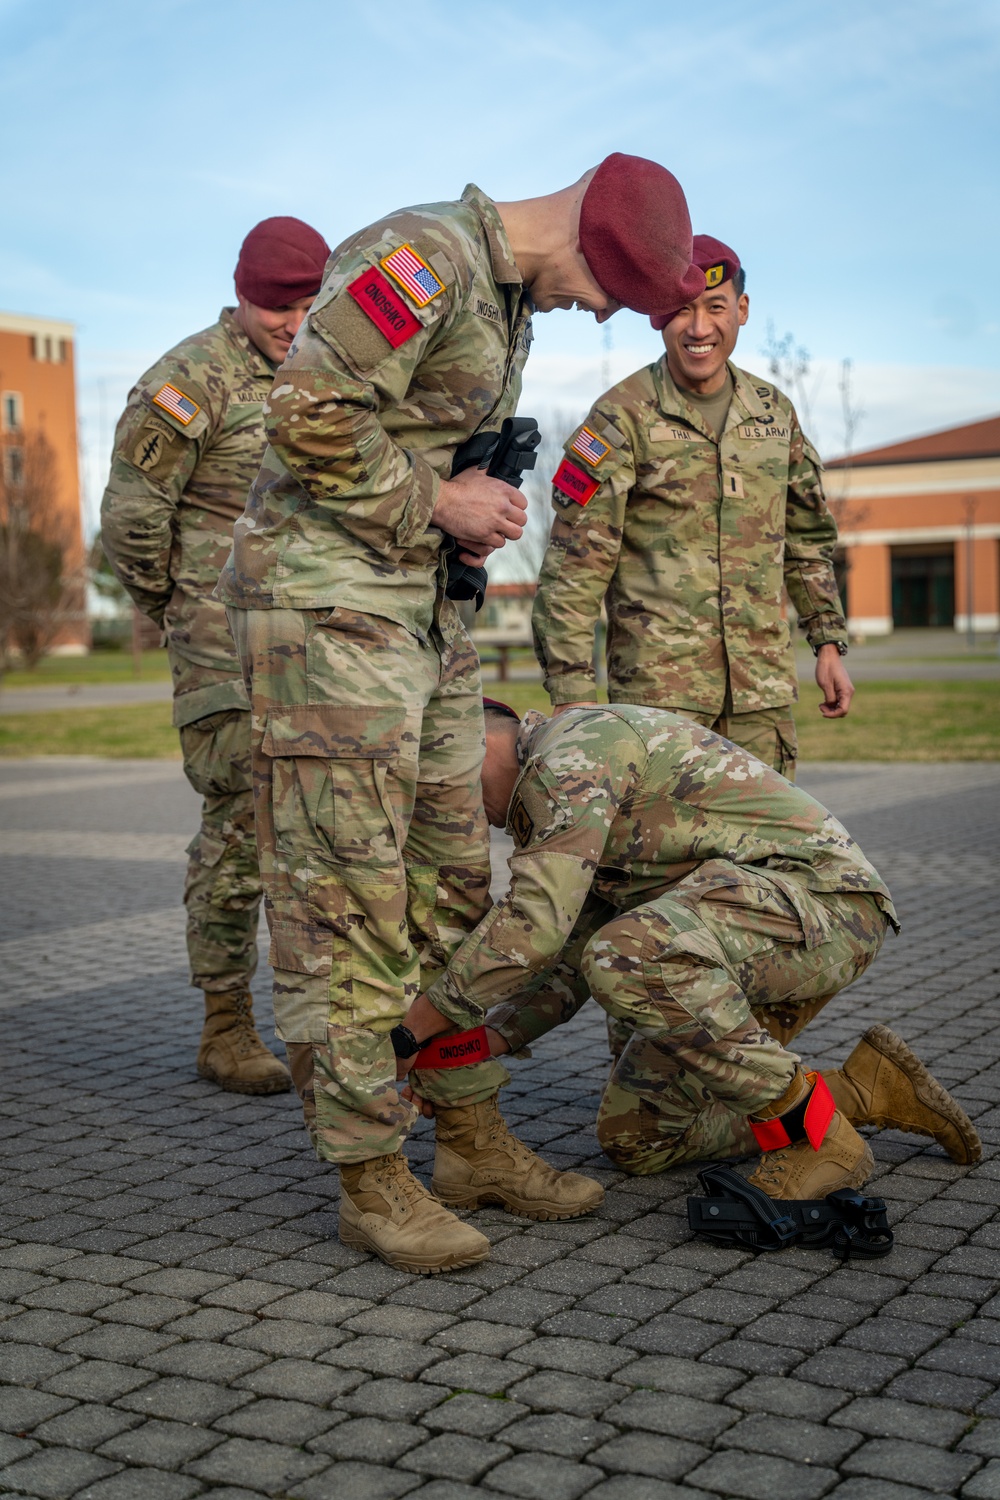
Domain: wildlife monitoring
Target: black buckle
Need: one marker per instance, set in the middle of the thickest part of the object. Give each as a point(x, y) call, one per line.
point(734, 1212)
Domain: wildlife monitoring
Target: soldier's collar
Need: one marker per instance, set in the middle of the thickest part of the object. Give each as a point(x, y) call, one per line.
point(252, 356)
point(531, 721)
point(750, 393)
point(502, 261)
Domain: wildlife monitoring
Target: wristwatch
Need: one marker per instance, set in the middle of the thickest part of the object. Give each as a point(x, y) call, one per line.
point(404, 1043)
point(840, 645)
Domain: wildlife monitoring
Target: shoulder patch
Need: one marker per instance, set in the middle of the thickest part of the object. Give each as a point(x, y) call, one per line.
point(592, 449)
point(177, 404)
point(520, 823)
point(413, 274)
point(575, 483)
point(384, 306)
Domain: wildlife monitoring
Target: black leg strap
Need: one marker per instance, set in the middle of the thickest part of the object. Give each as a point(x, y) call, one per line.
point(733, 1212)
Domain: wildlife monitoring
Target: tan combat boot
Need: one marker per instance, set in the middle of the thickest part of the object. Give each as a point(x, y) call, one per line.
point(804, 1168)
point(231, 1053)
point(384, 1209)
point(478, 1161)
point(883, 1083)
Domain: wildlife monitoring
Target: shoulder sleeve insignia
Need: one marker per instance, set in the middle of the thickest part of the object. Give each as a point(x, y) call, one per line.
point(590, 447)
point(575, 483)
point(384, 306)
point(413, 275)
point(520, 823)
point(177, 404)
point(714, 276)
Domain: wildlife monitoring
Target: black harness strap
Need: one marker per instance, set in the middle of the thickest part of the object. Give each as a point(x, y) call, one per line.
point(733, 1212)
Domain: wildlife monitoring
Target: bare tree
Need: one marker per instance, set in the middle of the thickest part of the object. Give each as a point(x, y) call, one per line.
point(522, 561)
point(37, 584)
point(788, 365)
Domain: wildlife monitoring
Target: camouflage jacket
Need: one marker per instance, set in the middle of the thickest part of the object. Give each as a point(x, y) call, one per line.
point(618, 804)
point(187, 449)
point(687, 540)
point(416, 340)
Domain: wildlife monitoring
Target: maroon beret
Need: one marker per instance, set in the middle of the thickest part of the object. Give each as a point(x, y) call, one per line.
point(503, 708)
point(635, 235)
point(280, 261)
point(718, 262)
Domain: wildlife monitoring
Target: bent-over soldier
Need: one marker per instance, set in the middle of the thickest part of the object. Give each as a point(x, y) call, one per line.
point(712, 909)
point(367, 715)
point(187, 449)
point(685, 501)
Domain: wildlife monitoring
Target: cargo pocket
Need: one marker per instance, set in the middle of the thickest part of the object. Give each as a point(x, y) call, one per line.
point(331, 799)
point(312, 979)
point(787, 748)
point(691, 971)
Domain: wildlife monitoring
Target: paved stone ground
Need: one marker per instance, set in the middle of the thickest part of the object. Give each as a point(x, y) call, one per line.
point(178, 1317)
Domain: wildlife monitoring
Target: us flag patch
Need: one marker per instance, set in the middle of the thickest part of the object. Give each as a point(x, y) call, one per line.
point(177, 404)
point(413, 275)
point(590, 447)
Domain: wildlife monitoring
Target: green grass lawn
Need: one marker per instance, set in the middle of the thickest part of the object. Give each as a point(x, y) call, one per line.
point(889, 721)
point(99, 666)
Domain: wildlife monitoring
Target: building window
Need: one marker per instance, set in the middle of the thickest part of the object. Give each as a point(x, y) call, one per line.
point(48, 350)
point(11, 411)
point(923, 587)
point(13, 464)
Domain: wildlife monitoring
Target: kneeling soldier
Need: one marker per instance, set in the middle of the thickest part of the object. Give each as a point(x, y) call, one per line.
point(713, 908)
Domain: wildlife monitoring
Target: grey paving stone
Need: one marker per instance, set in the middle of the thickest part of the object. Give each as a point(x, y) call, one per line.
point(200, 1360)
point(12, 1449)
point(400, 1400)
point(29, 1364)
point(478, 1416)
point(938, 1388)
point(785, 1396)
point(21, 1409)
point(452, 1455)
point(984, 1439)
point(477, 1372)
point(55, 1473)
point(851, 1370)
point(275, 1467)
point(283, 1337)
point(877, 1489)
point(673, 1415)
point(751, 1476)
point(554, 1390)
point(178, 1400)
point(85, 1426)
point(360, 1481)
point(381, 1356)
point(98, 1380)
point(912, 1463)
point(470, 1336)
point(576, 1356)
point(156, 1484)
point(669, 1334)
point(885, 1417)
point(792, 1438)
point(648, 1453)
point(371, 1440)
point(541, 1477)
point(963, 1357)
point(569, 1437)
point(300, 1380)
point(985, 1485)
point(685, 1376)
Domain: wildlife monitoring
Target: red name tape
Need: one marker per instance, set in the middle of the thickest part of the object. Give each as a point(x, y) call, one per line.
point(575, 483)
point(456, 1051)
point(376, 297)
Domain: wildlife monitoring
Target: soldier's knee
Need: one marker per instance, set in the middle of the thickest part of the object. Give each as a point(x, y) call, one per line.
point(629, 1144)
point(612, 956)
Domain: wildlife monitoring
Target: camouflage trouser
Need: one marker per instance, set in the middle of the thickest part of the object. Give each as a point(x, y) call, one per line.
point(769, 734)
point(222, 891)
point(374, 850)
point(694, 977)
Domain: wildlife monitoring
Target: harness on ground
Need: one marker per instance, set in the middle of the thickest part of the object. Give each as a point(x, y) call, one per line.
point(734, 1212)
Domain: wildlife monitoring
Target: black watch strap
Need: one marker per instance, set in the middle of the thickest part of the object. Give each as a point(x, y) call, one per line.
point(404, 1043)
point(840, 645)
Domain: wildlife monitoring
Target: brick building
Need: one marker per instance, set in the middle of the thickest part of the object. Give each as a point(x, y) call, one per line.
point(38, 396)
point(920, 527)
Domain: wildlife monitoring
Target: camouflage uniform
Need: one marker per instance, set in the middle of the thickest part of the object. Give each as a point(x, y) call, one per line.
point(692, 891)
point(178, 482)
point(367, 719)
point(687, 539)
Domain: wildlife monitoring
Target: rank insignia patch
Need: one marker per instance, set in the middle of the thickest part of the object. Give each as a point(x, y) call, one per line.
point(589, 446)
point(714, 276)
point(177, 404)
point(413, 275)
point(575, 483)
point(384, 306)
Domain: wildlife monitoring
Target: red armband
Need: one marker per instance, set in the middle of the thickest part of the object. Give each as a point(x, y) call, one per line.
point(456, 1051)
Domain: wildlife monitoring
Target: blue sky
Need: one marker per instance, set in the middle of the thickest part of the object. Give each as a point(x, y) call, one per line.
point(847, 150)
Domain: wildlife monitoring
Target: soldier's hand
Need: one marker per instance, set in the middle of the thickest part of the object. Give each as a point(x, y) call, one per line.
point(481, 513)
point(564, 708)
point(421, 1105)
point(834, 682)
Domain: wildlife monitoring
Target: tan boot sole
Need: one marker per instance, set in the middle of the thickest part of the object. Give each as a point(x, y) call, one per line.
point(927, 1089)
point(277, 1085)
point(356, 1239)
point(494, 1197)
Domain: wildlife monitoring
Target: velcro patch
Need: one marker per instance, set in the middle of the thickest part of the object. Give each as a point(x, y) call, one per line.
point(575, 483)
point(384, 306)
point(520, 823)
point(484, 308)
point(413, 274)
point(756, 432)
point(177, 404)
point(151, 446)
point(590, 447)
point(663, 432)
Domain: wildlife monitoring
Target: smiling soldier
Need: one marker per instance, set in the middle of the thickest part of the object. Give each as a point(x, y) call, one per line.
point(684, 502)
point(186, 451)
